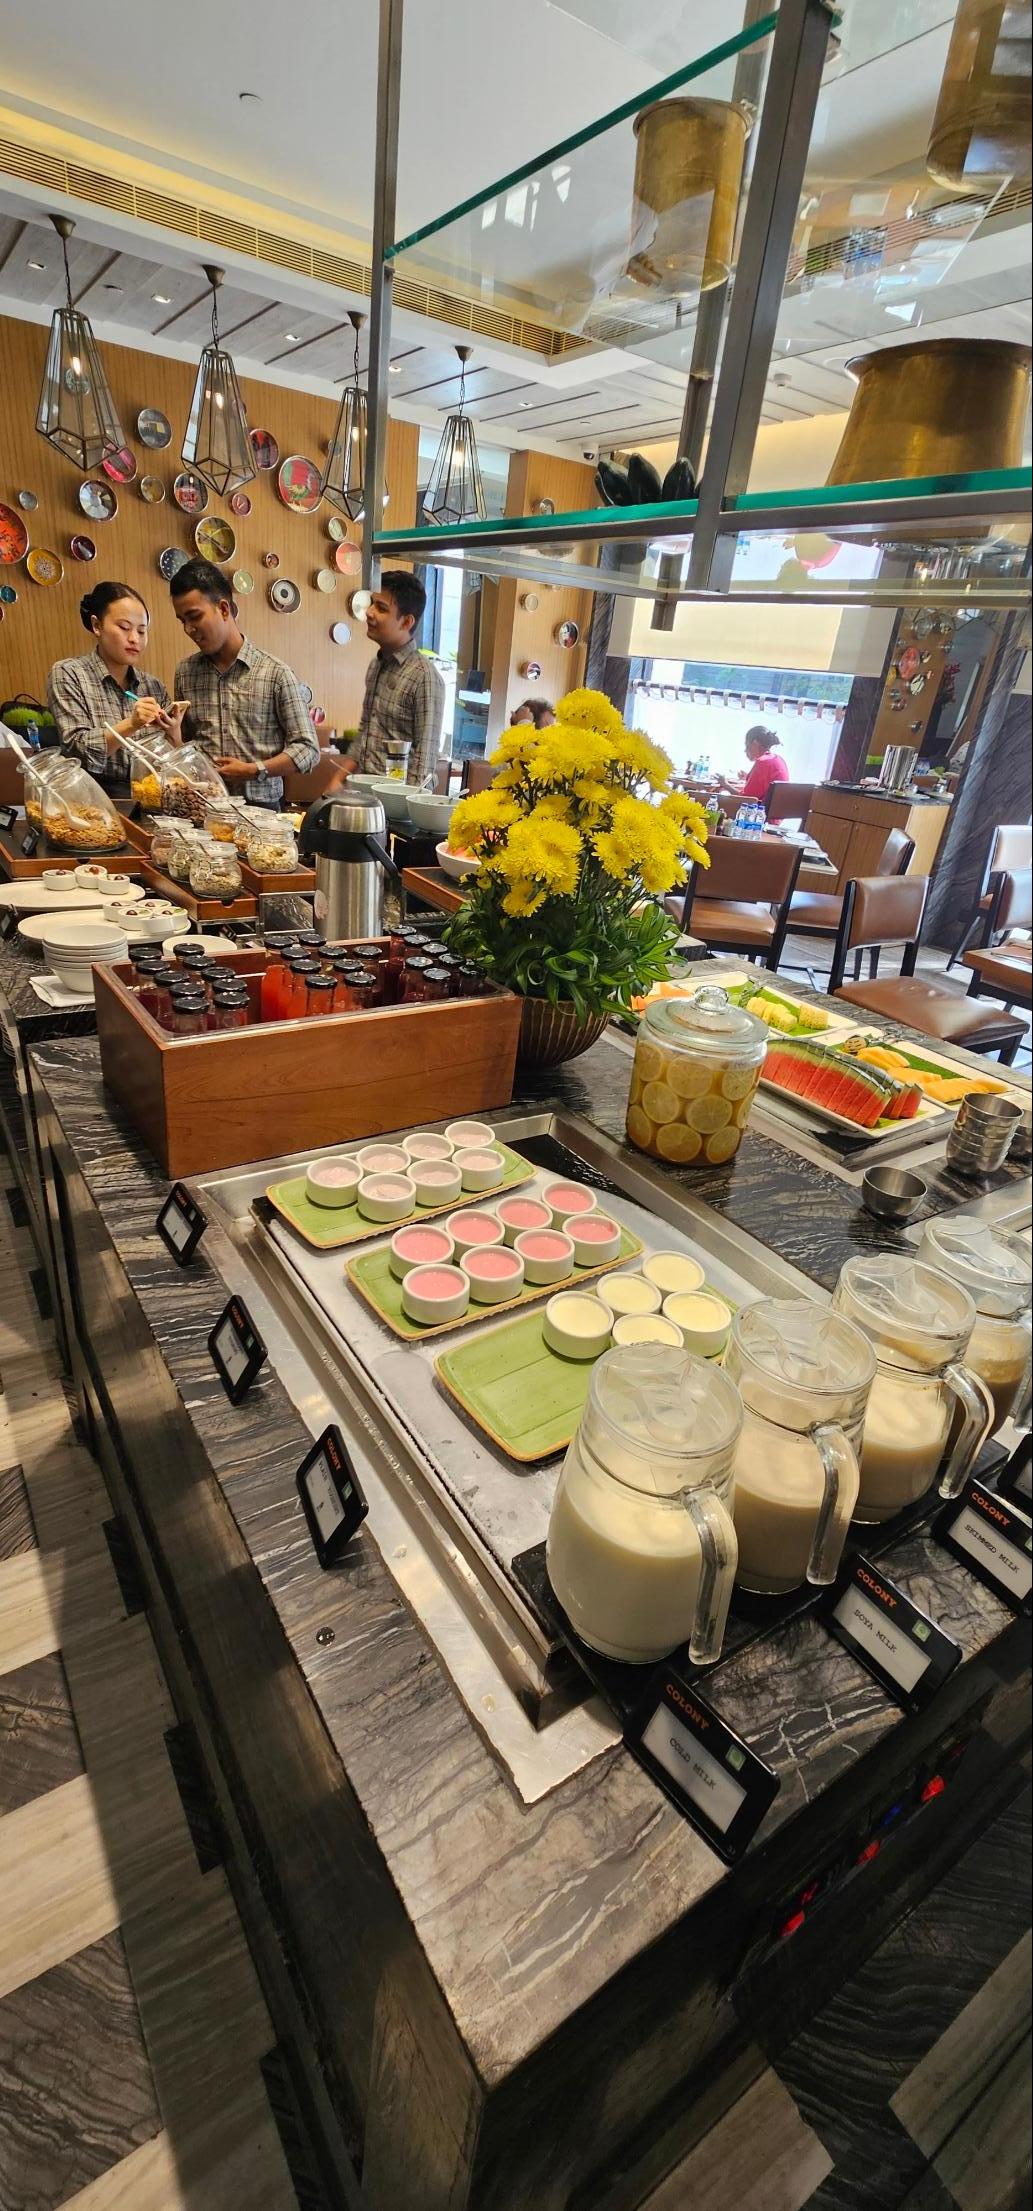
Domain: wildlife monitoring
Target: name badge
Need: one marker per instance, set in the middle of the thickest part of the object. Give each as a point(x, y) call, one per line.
point(331, 1496)
point(902, 1647)
point(1016, 1482)
point(236, 1348)
point(8, 816)
point(715, 1779)
point(29, 842)
point(994, 1538)
point(181, 1224)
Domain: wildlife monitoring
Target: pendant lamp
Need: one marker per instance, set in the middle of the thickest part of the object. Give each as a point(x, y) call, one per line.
point(455, 492)
point(76, 412)
point(344, 477)
point(216, 441)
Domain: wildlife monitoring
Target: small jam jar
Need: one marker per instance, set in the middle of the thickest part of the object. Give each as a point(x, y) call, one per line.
point(229, 1008)
point(320, 999)
point(436, 983)
point(417, 967)
point(189, 1015)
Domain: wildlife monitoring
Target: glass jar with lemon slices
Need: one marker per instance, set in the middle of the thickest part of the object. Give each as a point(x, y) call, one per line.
point(697, 1065)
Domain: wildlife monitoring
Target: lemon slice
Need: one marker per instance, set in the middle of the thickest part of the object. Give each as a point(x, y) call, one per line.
point(649, 1060)
point(689, 1077)
point(708, 1114)
point(742, 1112)
point(722, 1144)
point(737, 1082)
point(678, 1143)
point(661, 1103)
point(635, 1092)
point(640, 1129)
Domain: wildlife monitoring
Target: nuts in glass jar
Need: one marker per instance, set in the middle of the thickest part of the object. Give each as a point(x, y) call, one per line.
point(214, 869)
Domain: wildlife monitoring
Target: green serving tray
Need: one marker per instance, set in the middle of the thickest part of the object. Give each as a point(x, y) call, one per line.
point(527, 1398)
point(330, 1228)
point(371, 1276)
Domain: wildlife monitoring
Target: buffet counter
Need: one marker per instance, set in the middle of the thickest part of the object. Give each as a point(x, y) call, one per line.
point(506, 1970)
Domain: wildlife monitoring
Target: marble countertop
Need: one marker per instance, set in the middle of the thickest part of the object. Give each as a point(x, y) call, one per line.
point(524, 1912)
point(21, 1010)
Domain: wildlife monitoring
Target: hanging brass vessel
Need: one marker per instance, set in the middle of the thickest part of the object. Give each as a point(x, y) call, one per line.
point(980, 136)
point(689, 158)
point(938, 407)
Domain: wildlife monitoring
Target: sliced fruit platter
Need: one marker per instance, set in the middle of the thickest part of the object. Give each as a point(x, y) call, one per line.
point(780, 1010)
point(861, 1083)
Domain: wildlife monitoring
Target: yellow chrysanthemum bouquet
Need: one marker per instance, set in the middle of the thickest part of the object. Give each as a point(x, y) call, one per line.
point(579, 823)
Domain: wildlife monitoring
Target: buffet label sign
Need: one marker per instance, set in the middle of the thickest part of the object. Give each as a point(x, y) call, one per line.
point(8, 816)
point(236, 1348)
point(331, 1496)
point(890, 1637)
point(181, 1224)
point(714, 1778)
point(994, 1539)
point(30, 842)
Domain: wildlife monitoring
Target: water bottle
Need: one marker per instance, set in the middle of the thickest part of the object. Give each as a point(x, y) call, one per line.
point(756, 819)
point(741, 825)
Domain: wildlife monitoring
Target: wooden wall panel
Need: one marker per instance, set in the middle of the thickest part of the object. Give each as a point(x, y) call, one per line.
point(519, 635)
point(44, 624)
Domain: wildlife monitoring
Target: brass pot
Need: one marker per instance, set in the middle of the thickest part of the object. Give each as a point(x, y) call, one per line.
point(980, 134)
point(939, 407)
point(688, 173)
point(549, 1034)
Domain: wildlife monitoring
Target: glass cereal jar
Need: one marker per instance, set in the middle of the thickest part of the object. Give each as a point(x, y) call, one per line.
point(220, 820)
point(697, 1066)
point(214, 869)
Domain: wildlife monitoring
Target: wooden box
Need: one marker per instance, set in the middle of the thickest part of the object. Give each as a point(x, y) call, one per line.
point(222, 1100)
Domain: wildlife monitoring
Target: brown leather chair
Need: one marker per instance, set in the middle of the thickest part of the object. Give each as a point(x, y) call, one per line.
point(477, 774)
point(790, 801)
point(300, 790)
point(741, 902)
point(1010, 852)
point(819, 913)
point(880, 910)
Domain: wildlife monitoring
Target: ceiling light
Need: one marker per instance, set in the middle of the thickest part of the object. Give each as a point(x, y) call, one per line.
point(394, 368)
point(35, 264)
point(290, 337)
point(344, 477)
point(455, 492)
point(162, 299)
point(217, 441)
point(76, 412)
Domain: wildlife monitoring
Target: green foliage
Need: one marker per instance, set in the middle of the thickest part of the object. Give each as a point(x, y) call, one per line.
point(597, 951)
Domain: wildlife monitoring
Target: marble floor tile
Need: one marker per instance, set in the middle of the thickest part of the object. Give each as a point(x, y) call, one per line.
point(986, 2161)
point(943, 2088)
point(16, 1530)
point(761, 2156)
point(55, 1880)
point(39, 1741)
point(51, 1599)
point(76, 2093)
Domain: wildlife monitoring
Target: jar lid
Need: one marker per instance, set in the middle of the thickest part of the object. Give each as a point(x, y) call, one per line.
point(322, 982)
point(902, 1303)
point(436, 975)
point(709, 1021)
point(674, 1406)
point(995, 1268)
point(805, 1346)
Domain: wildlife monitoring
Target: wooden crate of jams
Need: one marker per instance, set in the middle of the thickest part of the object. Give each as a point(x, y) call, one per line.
point(223, 1099)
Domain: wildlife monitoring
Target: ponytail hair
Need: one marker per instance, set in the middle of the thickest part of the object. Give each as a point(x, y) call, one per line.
point(96, 602)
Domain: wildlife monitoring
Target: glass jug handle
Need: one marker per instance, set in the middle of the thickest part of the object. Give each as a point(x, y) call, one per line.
point(977, 1407)
point(842, 1482)
point(719, 1557)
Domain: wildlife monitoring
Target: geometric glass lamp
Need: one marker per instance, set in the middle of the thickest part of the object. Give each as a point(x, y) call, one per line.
point(76, 412)
point(455, 492)
point(344, 477)
point(216, 441)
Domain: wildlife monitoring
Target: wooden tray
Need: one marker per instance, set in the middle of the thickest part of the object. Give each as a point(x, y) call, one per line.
point(322, 1226)
point(527, 1398)
point(18, 869)
point(371, 1276)
point(300, 881)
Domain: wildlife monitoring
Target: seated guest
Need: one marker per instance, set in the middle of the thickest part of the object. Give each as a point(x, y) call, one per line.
point(244, 707)
point(537, 711)
point(108, 686)
point(768, 766)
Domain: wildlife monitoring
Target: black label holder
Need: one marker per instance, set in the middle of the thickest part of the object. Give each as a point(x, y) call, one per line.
point(181, 1223)
point(716, 1781)
point(904, 1650)
point(236, 1349)
point(332, 1496)
point(994, 1539)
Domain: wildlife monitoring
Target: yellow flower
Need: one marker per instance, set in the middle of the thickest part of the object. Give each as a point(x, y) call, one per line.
point(522, 898)
point(546, 850)
point(555, 806)
point(590, 710)
point(514, 745)
point(487, 814)
point(637, 752)
point(562, 754)
point(686, 812)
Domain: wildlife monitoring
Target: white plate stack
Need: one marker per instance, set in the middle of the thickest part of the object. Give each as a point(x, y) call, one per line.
point(71, 947)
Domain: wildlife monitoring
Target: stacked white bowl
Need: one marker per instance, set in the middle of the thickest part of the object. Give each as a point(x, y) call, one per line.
point(71, 947)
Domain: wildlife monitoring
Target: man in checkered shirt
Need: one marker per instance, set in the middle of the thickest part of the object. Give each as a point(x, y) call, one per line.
point(245, 708)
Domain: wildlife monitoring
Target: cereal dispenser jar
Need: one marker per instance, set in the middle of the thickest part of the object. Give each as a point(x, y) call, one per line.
point(697, 1066)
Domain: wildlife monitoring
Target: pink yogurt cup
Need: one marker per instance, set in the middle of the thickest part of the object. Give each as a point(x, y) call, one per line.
point(567, 1199)
point(520, 1214)
point(420, 1247)
point(473, 1231)
point(548, 1255)
point(595, 1237)
point(495, 1274)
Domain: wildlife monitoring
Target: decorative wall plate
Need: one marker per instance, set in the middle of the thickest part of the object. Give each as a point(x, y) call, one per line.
point(326, 580)
point(265, 448)
point(97, 500)
point(347, 558)
point(543, 506)
point(340, 633)
point(153, 428)
point(82, 548)
point(335, 529)
point(299, 484)
point(8, 594)
point(529, 602)
point(240, 505)
point(44, 566)
point(567, 634)
point(152, 490)
point(170, 560)
point(284, 595)
point(243, 582)
point(190, 492)
point(214, 539)
point(359, 604)
point(270, 560)
point(307, 693)
point(909, 663)
point(14, 537)
point(531, 669)
point(28, 502)
point(917, 683)
point(120, 466)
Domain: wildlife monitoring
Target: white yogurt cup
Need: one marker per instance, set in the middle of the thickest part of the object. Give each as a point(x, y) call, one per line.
point(646, 1328)
point(437, 1181)
point(383, 1159)
point(386, 1197)
point(703, 1320)
point(427, 1144)
point(470, 1136)
point(332, 1182)
point(629, 1293)
point(672, 1271)
point(480, 1170)
point(576, 1325)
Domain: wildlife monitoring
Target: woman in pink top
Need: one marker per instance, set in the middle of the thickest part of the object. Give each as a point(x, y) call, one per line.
point(768, 765)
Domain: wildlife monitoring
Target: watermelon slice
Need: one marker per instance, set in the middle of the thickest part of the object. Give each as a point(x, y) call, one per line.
point(810, 1072)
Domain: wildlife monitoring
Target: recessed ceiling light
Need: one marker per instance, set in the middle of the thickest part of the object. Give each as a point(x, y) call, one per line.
point(290, 337)
point(525, 403)
point(394, 368)
point(162, 299)
point(35, 264)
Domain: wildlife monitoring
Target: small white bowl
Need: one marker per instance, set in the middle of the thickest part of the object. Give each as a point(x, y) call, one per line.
point(576, 1325)
point(438, 1181)
point(520, 1213)
point(469, 1136)
point(429, 811)
point(435, 1294)
point(332, 1182)
point(427, 1144)
point(455, 864)
point(495, 1274)
point(672, 1272)
point(393, 794)
point(595, 1237)
point(629, 1293)
point(118, 887)
point(548, 1254)
point(60, 879)
point(383, 1159)
point(568, 1201)
point(422, 1244)
point(481, 1170)
point(386, 1197)
point(646, 1328)
point(90, 877)
point(477, 1230)
point(703, 1319)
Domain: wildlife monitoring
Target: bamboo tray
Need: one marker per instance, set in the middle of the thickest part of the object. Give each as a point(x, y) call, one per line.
point(371, 1276)
point(527, 1398)
point(322, 1226)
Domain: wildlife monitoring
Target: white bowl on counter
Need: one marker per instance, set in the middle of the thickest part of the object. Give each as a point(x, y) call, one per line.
point(455, 864)
point(393, 796)
point(431, 812)
point(71, 948)
point(152, 922)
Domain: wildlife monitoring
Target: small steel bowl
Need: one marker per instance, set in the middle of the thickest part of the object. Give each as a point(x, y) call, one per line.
point(892, 1193)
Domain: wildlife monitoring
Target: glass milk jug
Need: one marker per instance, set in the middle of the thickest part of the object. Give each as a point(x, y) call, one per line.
point(641, 1550)
point(996, 1271)
point(804, 1375)
point(919, 1324)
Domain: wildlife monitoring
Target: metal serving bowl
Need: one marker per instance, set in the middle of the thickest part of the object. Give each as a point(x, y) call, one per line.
point(892, 1193)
